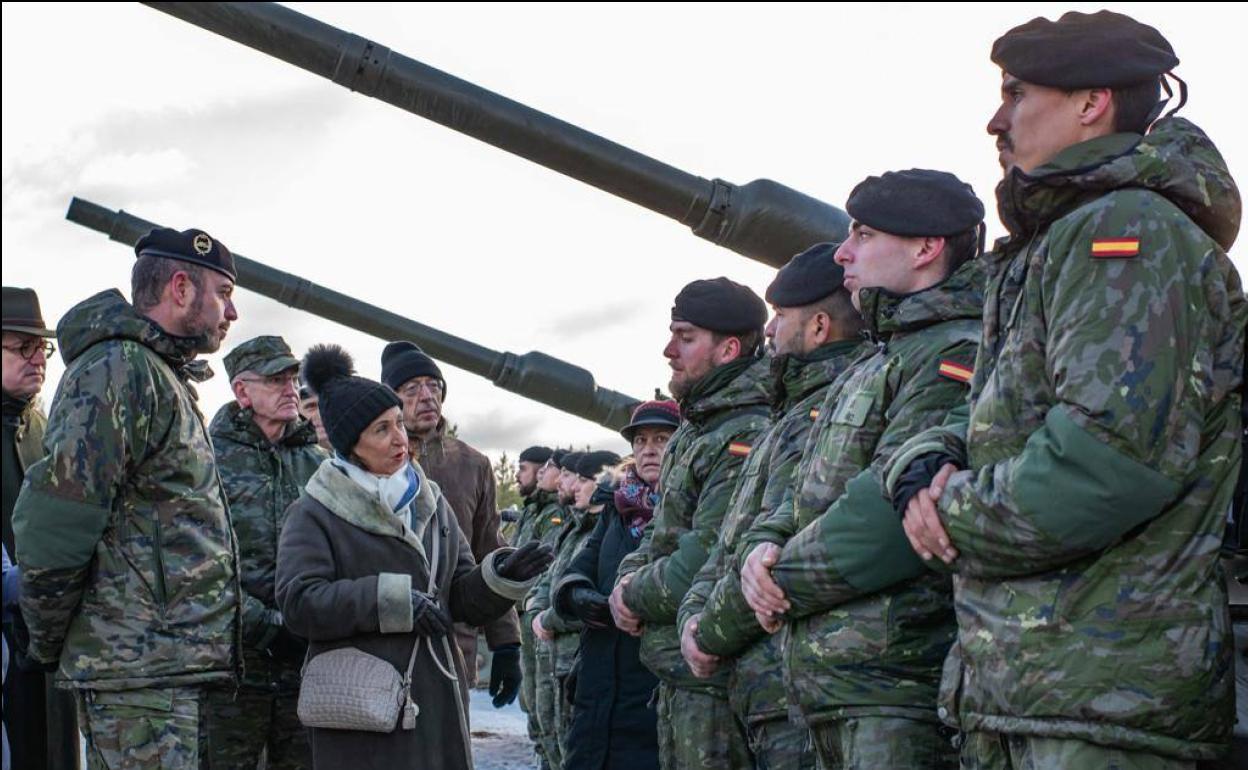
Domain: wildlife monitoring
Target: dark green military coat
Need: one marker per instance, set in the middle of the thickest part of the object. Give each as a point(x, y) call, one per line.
point(129, 569)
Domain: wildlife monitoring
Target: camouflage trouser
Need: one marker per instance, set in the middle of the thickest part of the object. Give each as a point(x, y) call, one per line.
point(699, 732)
point(144, 729)
point(547, 694)
point(865, 743)
point(236, 728)
point(997, 751)
point(528, 686)
point(780, 744)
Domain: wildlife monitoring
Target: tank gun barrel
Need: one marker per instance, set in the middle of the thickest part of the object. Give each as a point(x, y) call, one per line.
point(534, 375)
point(763, 220)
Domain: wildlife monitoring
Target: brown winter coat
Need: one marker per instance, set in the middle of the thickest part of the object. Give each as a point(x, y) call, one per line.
point(467, 481)
point(345, 570)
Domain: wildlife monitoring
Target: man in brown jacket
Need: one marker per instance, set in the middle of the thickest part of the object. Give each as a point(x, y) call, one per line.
point(467, 481)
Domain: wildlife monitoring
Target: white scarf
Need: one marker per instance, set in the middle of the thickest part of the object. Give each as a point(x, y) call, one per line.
point(396, 491)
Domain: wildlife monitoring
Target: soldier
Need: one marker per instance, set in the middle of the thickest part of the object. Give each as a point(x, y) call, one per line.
point(866, 627)
point(467, 479)
point(310, 408)
point(39, 719)
point(265, 453)
point(1082, 507)
point(130, 575)
point(560, 638)
point(721, 382)
point(814, 335)
point(528, 468)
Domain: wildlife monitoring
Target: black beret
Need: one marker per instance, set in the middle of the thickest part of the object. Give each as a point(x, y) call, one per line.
point(402, 361)
point(569, 460)
point(557, 456)
point(194, 246)
point(590, 464)
point(914, 203)
point(536, 454)
point(1084, 50)
point(808, 277)
point(720, 305)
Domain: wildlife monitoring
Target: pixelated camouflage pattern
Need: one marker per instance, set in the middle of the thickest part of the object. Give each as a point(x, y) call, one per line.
point(152, 728)
point(997, 751)
point(578, 525)
point(698, 732)
point(261, 479)
point(756, 687)
point(852, 650)
point(237, 727)
point(867, 743)
point(1103, 446)
point(696, 480)
point(130, 571)
point(541, 520)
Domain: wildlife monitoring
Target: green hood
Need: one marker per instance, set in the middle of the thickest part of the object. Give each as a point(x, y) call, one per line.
point(234, 423)
point(737, 384)
point(959, 296)
point(107, 316)
point(1176, 160)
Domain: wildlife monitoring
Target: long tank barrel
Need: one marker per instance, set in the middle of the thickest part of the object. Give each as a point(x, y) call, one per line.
point(763, 220)
point(533, 375)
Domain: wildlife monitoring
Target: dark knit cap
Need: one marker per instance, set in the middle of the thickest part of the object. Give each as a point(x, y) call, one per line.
point(665, 414)
point(536, 454)
point(591, 464)
point(348, 403)
point(1084, 50)
point(720, 305)
point(402, 361)
point(808, 277)
point(916, 203)
point(194, 246)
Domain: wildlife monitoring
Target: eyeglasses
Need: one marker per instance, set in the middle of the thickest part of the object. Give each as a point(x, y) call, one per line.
point(413, 388)
point(28, 348)
point(275, 381)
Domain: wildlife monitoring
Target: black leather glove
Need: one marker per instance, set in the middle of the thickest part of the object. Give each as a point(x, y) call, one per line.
point(505, 675)
point(428, 619)
point(590, 606)
point(918, 476)
point(524, 563)
point(288, 647)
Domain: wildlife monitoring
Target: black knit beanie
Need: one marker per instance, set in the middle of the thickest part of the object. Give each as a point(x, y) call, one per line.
point(402, 361)
point(348, 403)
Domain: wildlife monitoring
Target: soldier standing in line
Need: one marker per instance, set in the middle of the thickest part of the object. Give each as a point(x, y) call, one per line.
point(130, 573)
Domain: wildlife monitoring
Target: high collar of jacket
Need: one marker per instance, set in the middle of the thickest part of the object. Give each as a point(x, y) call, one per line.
point(235, 423)
point(108, 316)
point(15, 409)
point(740, 383)
point(424, 447)
point(331, 487)
point(794, 376)
point(1175, 159)
point(961, 295)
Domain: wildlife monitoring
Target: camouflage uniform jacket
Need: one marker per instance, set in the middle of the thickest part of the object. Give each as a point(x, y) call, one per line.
point(542, 521)
point(869, 626)
point(261, 479)
point(130, 572)
point(1103, 448)
point(723, 416)
point(577, 527)
point(756, 689)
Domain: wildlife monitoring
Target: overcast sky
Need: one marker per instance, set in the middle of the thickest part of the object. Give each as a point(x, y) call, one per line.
point(134, 109)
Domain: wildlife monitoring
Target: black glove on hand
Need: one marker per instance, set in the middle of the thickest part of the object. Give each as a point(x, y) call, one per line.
point(505, 675)
point(590, 606)
point(918, 476)
point(428, 619)
point(525, 563)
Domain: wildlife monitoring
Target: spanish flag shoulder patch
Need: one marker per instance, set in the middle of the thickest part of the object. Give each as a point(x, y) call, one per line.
point(1115, 248)
point(739, 449)
point(814, 413)
point(956, 371)
point(556, 520)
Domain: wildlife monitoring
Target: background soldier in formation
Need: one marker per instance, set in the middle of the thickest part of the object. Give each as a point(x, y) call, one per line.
point(265, 453)
point(129, 570)
point(722, 384)
point(813, 336)
point(1083, 505)
point(40, 721)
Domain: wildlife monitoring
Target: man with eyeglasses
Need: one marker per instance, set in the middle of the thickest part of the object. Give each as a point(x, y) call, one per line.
point(467, 479)
point(40, 721)
point(266, 452)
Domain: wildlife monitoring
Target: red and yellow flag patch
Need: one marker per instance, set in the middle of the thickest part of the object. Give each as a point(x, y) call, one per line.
point(739, 449)
point(1115, 248)
point(814, 413)
point(956, 371)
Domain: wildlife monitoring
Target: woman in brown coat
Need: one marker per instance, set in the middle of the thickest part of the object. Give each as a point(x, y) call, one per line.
point(371, 557)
